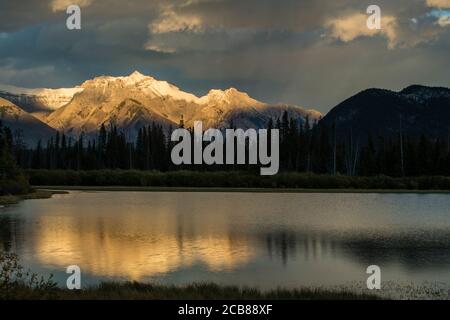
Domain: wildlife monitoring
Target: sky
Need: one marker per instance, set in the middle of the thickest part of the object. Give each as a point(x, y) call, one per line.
point(311, 53)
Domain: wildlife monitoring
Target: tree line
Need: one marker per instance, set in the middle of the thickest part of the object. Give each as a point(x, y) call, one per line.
point(12, 178)
point(304, 147)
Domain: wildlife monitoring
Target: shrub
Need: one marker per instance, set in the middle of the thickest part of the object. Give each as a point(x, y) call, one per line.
point(231, 179)
point(15, 282)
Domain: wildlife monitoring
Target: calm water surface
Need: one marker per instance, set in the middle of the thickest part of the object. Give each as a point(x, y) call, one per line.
point(257, 239)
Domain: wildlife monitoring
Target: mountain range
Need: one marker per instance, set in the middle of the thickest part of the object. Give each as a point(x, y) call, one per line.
point(136, 100)
point(133, 101)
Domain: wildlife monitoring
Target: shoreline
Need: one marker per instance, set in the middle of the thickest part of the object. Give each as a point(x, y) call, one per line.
point(193, 291)
point(37, 194)
point(125, 180)
point(58, 189)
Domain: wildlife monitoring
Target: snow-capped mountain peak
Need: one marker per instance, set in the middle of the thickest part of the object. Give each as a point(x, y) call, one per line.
point(229, 97)
point(136, 76)
point(143, 84)
point(133, 79)
point(165, 89)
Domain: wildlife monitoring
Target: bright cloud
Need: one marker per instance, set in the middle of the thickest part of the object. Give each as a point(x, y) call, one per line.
point(171, 21)
point(444, 21)
point(439, 3)
point(442, 17)
point(161, 49)
point(166, 30)
point(62, 5)
point(354, 26)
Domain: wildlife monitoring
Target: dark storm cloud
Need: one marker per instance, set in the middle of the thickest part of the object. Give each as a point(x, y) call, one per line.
point(18, 14)
point(306, 52)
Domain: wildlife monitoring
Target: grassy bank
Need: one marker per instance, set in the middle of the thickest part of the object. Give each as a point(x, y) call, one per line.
point(195, 291)
point(232, 180)
point(18, 283)
point(37, 194)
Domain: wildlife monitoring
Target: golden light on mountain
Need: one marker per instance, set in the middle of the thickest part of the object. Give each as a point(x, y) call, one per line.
point(130, 102)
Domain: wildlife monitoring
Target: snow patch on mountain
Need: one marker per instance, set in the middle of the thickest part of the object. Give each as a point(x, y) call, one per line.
point(229, 98)
point(40, 100)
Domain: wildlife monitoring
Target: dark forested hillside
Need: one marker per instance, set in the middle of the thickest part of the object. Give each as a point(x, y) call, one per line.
point(413, 111)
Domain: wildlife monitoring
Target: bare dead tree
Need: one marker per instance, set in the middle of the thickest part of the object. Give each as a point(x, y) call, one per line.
point(402, 163)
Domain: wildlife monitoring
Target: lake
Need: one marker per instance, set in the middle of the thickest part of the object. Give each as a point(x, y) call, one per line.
point(267, 240)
